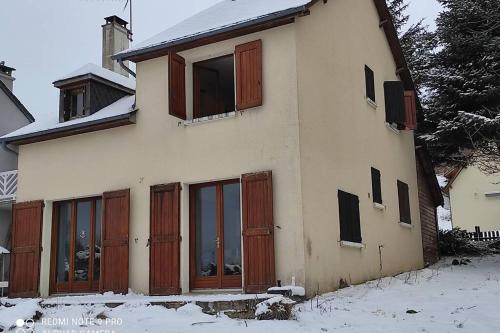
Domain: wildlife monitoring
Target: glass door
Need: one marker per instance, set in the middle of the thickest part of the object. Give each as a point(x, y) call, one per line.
point(76, 246)
point(215, 235)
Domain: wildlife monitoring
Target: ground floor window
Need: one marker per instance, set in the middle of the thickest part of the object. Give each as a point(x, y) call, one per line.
point(76, 244)
point(216, 260)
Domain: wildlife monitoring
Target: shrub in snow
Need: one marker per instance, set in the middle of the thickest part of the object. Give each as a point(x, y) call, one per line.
point(276, 308)
point(455, 242)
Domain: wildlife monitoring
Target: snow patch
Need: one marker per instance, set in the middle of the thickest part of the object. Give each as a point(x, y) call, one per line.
point(264, 307)
point(24, 310)
point(103, 73)
point(3, 250)
point(294, 290)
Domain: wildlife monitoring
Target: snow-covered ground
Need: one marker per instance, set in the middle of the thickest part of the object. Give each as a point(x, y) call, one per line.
point(443, 298)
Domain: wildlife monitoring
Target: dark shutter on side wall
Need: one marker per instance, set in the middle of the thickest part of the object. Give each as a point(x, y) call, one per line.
point(376, 186)
point(350, 228)
point(394, 103)
point(370, 83)
point(404, 202)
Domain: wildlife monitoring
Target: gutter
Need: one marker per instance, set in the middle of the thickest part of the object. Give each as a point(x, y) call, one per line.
point(183, 40)
point(128, 70)
point(8, 148)
point(83, 127)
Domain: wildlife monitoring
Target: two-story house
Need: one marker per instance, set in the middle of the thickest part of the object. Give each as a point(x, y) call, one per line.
point(13, 115)
point(268, 141)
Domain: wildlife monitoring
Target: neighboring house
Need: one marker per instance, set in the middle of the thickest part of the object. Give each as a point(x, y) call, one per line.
point(268, 141)
point(474, 199)
point(13, 115)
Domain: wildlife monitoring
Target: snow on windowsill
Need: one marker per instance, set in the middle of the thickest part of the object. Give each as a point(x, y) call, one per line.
point(492, 194)
point(352, 245)
point(199, 121)
point(295, 290)
point(371, 103)
point(378, 206)
point(392, 128)
point(406, 225)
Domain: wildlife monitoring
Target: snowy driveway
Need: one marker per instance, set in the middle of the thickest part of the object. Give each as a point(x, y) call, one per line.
point(443, 298)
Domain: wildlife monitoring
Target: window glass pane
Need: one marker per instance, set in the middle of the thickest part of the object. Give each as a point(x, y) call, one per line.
point(63, 242)
point(206, 231)
point(79, 105)
point(74, 103)
point(82, 240)
point(97, 254)
point(232, 229)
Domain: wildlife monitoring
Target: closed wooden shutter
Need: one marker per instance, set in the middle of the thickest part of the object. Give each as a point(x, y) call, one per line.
point(370, 83)
point(165, 240)
point(25, 250)
point(258, 232)
point(394, 103)
point(404, 202)
point(376, 186)
point(177, 85)
point(248, 75)
point(350, 228)
point(115, 241)
point(410, 110)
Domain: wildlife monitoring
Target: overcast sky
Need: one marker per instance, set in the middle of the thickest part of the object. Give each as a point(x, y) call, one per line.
point(46, 39)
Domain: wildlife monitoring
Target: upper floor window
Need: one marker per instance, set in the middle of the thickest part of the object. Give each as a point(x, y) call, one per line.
point(74, 103)
point(370, 84)
point(213, 87)
point(400, 106)
point(220, 85)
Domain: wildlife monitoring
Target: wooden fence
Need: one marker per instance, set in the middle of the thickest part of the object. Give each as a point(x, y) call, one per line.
point(479, 235)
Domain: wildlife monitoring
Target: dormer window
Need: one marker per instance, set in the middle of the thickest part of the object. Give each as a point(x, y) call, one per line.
point(89, 90)
point(74, 103)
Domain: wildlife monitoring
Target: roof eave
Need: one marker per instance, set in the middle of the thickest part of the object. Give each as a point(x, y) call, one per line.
point(90, 76)
point(71, 130)
point(186, 40)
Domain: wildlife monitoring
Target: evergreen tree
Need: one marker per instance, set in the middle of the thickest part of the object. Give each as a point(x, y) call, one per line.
point(417, 42)
point(463, 116)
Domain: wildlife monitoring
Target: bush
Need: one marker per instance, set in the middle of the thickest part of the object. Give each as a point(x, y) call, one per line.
point(455, 242)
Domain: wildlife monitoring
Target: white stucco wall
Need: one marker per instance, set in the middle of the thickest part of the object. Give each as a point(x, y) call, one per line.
point(160, 149)
point(341, 138)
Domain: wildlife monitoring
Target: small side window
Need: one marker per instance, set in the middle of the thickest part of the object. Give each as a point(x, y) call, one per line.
point(404, 203)
point(350, 227)
point(370, 84)
point(395, 103)
point(376, 186)
point(74, 103)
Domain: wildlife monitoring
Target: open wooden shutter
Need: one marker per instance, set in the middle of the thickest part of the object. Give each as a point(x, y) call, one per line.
point(350, 227)
point(177, 85)
point(410, 110)
point(25, 250)
point(258, 232)
point(165, 240)
point(248, 75)
point(394, 103)
point(115, 241)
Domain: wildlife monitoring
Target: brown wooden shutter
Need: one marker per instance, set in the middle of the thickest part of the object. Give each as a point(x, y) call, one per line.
point(394, 103)
point(25, 250)
point(404, 202)
point(165, 240)
point(258, 232)
point(115, 241)
point(248, 75)
point(177, 85)
point(410, 110)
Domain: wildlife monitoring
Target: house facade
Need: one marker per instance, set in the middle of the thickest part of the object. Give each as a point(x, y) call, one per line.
point(474, 199)
point(270, 142)
point(13, 115)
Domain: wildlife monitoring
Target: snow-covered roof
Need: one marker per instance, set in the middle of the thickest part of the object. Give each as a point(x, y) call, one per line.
point(224, 14)
point(103, 73)
point(51, 122)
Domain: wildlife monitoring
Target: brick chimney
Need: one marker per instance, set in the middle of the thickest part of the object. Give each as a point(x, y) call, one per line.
point(6, 75)
point(115, 38)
